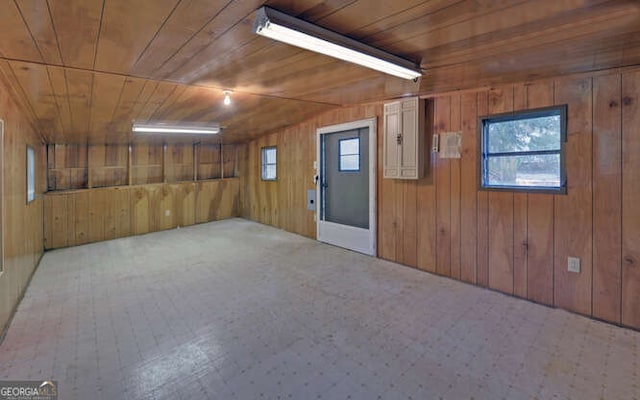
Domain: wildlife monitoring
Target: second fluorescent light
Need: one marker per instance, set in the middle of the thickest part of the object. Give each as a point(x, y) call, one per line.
point(188, 129)
point(296, 32)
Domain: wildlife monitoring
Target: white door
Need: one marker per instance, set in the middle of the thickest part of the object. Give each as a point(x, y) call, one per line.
point(347, 185)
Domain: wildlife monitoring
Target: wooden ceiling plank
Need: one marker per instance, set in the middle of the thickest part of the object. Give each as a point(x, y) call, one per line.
point(76, 24)
point(189, 19)
point(379, 16)
point(16, 41)
point(258, 52)
point(79, 85)
point(164, 109)
point(141, 101)
point(131, 92)
point(9, 79)
point(34, 80)
point(200, 53)
point(431, 43)
point(60, 93)
point(467, 13)
point(133, 26)
point(105, 95)
point(569, 59)
point(196, 104)
point(237, 58)
point(216, 28)
point(566, 28)
point(160, 93)
point(39, 22)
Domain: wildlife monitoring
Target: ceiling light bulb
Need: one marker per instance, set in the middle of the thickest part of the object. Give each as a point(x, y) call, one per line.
point(227, 98)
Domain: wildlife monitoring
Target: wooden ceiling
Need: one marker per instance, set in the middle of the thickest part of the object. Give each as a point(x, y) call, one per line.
point(85, 69)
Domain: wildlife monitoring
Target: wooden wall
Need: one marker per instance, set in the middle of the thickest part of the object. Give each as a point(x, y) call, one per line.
point(91, 215)
point(73, 166)
point(516, 243)
point(283, 203)
point(21, 222)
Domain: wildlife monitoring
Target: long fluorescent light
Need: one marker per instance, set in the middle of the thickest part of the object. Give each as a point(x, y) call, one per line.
point(189, 129)
point(296, 32)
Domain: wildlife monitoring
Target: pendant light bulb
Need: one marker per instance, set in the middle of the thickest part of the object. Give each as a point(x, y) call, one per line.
point(227, 97)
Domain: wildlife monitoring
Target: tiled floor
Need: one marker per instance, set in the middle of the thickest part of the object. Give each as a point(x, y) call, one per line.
point(237, 310)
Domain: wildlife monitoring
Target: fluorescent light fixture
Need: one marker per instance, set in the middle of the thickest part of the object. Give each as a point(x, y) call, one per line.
point(296, 32)
point(188, 129)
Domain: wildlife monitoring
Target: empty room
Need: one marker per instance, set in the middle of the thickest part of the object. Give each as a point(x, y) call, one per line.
point(319, 199)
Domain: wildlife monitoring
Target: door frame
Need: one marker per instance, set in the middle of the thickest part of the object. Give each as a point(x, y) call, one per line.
point(344, 235)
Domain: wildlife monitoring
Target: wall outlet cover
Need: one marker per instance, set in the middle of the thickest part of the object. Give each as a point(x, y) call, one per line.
point(574, 265)
point(167, 213)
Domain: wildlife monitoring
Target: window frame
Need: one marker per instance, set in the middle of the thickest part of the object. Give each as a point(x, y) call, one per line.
point(263, 163)
point(483, 126)
point(340, 155)
point(31, 174)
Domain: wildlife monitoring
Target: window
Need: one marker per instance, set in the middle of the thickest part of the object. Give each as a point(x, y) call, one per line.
point(269, 163)
point(524, 150)
point(349, 155)
point(31, 175)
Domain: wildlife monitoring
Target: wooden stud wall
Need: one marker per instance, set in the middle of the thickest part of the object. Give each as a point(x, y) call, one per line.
point(67, 167)
point(209, 161)
point(147, 162)
point(516, 243)
point(106, 165)
point(149, 188)
point(21, 222)
point(91, 215)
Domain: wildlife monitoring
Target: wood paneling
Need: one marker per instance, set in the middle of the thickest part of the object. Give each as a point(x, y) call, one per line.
point(209, 161)
point(283, 203)
point(442, 176)
point(468, 188)
point(500, 205)
point(108, 165)
point(573, 224)
point(607, 197)
point(217, 199)
point(426, 204)
point(630, 199)
point(67, 167)
point(146, 163)
point(539, 241)
point(515, 243)
point(91, 215)
point(86, 69)
point(21, 238)
point(179, 163)
point(483, 209)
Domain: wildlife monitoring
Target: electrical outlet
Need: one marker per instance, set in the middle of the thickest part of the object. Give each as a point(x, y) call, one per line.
point(574, 265)
point(167, 213)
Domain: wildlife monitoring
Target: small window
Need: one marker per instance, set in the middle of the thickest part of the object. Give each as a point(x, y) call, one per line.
point(31, 175)
point(269, 164)
point(350, 155)
point(524, 150)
